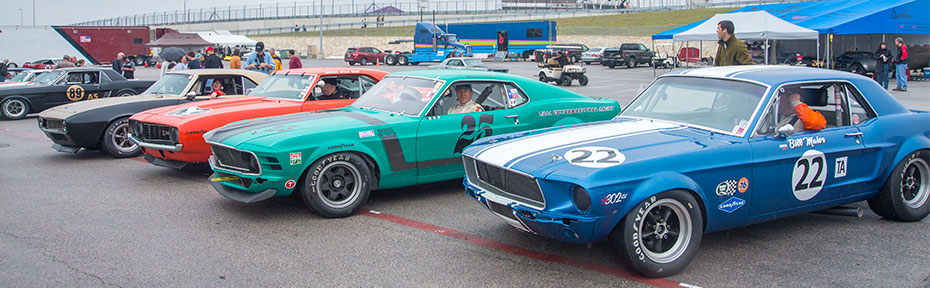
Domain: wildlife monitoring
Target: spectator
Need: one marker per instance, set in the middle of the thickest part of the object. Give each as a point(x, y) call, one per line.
point(276, 59)
point(883, 56)
point(217, 89)
point(73, 60)
point(194, 61)
point(4, 69)
point(65, 62)
point(730, 50)
point(900, 65)
point(80, 63)
point(259, 60)
point(304, 28)
point(118, 63)
point(295, 62)
point(164, 67)
point(296, 28)
point(212, 61)
point(234, 61)
point(129, 68)
point(182, 64)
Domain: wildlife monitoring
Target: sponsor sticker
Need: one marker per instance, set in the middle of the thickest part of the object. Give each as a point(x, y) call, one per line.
point(731, 204)
point(366, 133)
point(290, 184)
point(840, 170)
point(855, 118)
point(85, 39)
point(726, 188)
point(295, 158)
point(613, 198)
point(809, 141)
point(743, 185)
point(594, 157)
point(741, 127)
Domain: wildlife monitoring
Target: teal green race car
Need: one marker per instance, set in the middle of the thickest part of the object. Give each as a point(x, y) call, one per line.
point(408, 129)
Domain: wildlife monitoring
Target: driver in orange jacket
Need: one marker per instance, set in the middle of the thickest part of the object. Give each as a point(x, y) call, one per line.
point(793, 110)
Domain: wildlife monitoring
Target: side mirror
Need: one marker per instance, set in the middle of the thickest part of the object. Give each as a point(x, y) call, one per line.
point(190, 95)
point(786, 130)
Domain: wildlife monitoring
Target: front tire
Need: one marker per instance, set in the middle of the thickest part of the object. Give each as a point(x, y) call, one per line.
point(661, 235)
point(856, 68)
point(402, 60)
point(543, 78)
point(363, 62)
point(631, 62)
point(611, 65)
point(566, 80)
point(583, 80)
point(390, 60)
point(905, 195)
point(337, 185)
point(116, 140)
point(14, 108)
point(124, 93)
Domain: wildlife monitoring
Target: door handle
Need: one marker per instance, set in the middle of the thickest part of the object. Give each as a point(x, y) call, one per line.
point(856, 134)
point(511, 116)
point(516, 119)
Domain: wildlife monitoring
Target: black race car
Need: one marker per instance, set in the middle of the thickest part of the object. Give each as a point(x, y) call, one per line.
point(62, 86)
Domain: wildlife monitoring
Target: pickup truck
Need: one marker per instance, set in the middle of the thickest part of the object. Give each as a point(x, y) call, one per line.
point(629, 54)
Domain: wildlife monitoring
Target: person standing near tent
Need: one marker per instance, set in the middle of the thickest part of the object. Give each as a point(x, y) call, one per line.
point(259, 60)
point(900, 65)
point(730, 50)
point(883, 56)
point(234, 61)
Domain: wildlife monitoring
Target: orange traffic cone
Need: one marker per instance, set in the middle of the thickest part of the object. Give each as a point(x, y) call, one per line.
point(377, 61)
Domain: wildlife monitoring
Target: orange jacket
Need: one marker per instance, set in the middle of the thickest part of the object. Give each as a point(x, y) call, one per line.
point(811, 119)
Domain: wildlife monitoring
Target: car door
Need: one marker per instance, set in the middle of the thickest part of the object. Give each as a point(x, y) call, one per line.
point(441, 137)
point(75, 86)
point(349, 83)
point(808, 167)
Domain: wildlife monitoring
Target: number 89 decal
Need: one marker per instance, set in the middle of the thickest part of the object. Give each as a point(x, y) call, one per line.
point(809, 175)
point(594, 157)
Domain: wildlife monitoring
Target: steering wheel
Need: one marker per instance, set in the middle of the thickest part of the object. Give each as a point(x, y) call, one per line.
point(410, 94)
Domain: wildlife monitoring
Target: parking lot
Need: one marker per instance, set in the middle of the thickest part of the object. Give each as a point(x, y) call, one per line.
point(87, 220)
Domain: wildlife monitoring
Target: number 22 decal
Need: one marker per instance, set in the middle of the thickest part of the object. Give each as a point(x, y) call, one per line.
point(594, 157)
point(808, 176)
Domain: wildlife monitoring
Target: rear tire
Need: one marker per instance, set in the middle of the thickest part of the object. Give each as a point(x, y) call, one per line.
point(123, 93)
point(856, 68)
point(631, 62)
point(363, 62)
point(337, 185)
point(14, 108)
point(565, 80)
point(402, 60)
point(116, 140)
point(543, 78)
point(611, 65)
point(661, 235)
point(390, 60)
point(905, 195)
point(351, 63)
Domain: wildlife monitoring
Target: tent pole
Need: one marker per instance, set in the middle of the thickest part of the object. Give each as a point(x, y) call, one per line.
point(766, 51)
point(818, 47)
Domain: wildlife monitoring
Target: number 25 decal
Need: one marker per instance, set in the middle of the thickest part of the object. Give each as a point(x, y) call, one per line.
point(594, 157)
point(808, 175)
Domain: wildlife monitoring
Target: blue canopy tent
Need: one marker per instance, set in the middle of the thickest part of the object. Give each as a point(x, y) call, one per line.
point(844, 17)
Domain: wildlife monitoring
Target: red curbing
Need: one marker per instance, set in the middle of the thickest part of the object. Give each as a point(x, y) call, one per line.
point(511, 249)
point(23, 135)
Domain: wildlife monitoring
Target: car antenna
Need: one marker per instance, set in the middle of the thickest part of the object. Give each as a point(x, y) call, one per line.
point(405, 76)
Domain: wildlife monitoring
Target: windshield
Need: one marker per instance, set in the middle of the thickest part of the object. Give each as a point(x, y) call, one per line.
point(399, 95)
point(49, 77)
point(293, 86)
point(20, 77)
point(170, 84)
point(474, 62)
point(451, 38)
point(718, 104)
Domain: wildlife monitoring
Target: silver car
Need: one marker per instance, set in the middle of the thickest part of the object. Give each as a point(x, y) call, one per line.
point(465, 63)
point(593, 55)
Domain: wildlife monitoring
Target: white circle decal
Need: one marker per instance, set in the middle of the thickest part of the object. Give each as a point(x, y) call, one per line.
point(809, 175)
point(594, 157)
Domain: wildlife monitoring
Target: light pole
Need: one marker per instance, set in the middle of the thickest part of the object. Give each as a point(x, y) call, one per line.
point(186, 17)
point(33, 12)
point(20, 17)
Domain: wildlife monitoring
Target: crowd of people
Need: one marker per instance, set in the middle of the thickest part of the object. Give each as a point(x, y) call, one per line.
point(265, 61)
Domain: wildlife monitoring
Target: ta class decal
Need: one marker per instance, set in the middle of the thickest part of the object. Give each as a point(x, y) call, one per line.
point(840, 170)
point(730, 187)
point(594, 157)
point(295, 158)
point(731, 204)
point(613, 198)
point(290, 184)
point(808, 175)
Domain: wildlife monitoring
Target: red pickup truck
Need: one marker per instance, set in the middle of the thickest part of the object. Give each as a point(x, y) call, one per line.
point(364, 55)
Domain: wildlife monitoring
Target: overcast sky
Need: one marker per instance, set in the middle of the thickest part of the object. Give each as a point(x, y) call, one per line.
point(59, 12)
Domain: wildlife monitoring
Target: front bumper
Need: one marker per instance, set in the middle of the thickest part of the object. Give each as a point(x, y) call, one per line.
point(249, 188)
point(172, 148)
point(590, 59)
point(568, 228)
point(239, 194)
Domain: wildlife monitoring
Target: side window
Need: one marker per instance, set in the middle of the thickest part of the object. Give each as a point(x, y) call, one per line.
point(375, 50)
point(642, 47)
point(367, 83)
point(534, 33)
point(455, 62)
point(247, 85)
point(347, 87)
point(91, 78)
point(485, 94)
point(858, 110)
point(366, 50)
point(514, 96)
point(75, 78)
point(824, 98)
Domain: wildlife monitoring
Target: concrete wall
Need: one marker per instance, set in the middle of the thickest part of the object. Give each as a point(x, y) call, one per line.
point(336, 46)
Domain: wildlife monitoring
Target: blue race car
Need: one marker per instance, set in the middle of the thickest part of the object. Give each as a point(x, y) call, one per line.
point(706, 150)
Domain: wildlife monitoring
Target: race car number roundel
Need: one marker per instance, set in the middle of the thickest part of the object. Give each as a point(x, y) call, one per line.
point(594, 157)
point(809, 175)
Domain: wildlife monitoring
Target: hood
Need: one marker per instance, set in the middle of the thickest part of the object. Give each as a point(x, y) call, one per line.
point(560, 152)
point(63, 111)
point(303, 124)
point(15, 84)
point(212, 108)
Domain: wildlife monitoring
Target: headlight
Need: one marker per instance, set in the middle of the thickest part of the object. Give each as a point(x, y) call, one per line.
point(64, 126)
point(581, 197)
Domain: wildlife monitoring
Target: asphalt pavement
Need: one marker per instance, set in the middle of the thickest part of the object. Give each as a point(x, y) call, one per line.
point(87, 220)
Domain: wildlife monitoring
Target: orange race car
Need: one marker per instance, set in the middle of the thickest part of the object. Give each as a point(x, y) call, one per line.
point(172, 136)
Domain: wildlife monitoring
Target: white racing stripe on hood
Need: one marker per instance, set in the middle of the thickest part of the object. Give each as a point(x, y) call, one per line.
point(502, 154)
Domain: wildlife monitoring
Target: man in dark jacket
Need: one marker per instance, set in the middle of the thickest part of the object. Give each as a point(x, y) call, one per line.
point(730, 50)
point(3, 69)
point(883, 56)
point(212, 61)
point(118, 63)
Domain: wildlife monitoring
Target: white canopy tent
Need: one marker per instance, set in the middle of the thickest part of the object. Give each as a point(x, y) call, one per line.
point(757, 25)
point(225, 38)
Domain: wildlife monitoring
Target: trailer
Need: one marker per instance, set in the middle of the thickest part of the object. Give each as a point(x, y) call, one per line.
point(430, 44)
point(521, 38)
point(96, 44)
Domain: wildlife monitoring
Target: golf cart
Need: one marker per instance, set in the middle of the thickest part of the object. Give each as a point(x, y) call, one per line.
point(563, 74)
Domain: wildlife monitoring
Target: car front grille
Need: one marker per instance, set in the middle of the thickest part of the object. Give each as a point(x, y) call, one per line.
point(54, 124)
point(513, 185)
point(234, 159)
point(154, 133)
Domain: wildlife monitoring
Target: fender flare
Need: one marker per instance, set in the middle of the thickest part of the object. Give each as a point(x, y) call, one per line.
point(909, 146)
point(658, 183)
point(359, 148)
